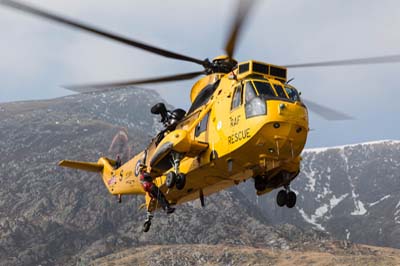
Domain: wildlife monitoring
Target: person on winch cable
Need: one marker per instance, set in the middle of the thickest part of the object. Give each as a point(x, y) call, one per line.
point(154, 192)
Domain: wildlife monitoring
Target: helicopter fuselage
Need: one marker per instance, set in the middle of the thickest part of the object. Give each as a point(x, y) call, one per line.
point(242, 128)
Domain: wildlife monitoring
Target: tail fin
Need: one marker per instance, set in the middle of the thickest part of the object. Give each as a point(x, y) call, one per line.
point(86, 166)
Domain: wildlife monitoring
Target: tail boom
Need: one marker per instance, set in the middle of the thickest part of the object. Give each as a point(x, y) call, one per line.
point(85, 166)
point(123, 180)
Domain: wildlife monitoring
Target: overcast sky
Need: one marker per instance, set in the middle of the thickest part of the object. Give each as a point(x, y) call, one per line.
point(36, 57)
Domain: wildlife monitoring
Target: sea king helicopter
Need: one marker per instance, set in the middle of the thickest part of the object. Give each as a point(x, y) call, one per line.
point(245, 122)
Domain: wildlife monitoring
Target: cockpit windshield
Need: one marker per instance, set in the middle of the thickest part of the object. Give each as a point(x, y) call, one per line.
point(250, 94)
point(279, 90)
point(264, 89)
point(292, 93)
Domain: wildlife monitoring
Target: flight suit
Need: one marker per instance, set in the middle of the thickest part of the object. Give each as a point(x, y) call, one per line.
point(154, 192)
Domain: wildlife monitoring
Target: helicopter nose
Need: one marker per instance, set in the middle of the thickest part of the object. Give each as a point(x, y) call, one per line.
point(285, 140)
point(286, 129)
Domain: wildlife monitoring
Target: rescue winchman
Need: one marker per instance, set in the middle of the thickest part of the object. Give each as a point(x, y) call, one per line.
point(146, 180)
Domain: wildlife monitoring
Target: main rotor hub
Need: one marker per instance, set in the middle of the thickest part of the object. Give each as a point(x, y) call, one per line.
point(222, 64)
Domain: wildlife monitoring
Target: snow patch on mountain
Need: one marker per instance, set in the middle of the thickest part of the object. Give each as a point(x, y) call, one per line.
point(313, 218)
point(311, 180)
point(347, 234)
point(310, 174)
point(360, 209)
point(322, 212)
point(358, 204)
point(342, 147)
point(335, 201)
point(379, 201)
point(348, 191)
point(397, 214)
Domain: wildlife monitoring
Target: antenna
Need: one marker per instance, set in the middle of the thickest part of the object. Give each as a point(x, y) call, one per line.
point(287, 82)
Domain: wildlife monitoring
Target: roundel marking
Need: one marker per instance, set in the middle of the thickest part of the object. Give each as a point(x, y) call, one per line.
point(137, 167)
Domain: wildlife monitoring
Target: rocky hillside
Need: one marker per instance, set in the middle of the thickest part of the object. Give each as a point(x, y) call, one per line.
point(48, 213)
point(351, 192)
point(51, 215)
point(336, 254)
point(55, 216)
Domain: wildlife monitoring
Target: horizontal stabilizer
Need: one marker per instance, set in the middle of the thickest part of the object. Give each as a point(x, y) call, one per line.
point(86, 166)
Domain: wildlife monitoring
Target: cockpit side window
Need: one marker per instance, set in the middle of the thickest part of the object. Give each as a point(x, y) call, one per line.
point(250, 94)
point(279, 91)
point(264, 89)
point(292, 93)
point(237, 97)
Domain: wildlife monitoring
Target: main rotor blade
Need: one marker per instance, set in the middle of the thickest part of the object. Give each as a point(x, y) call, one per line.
point(102, 87)
point(79, 25)
point(242, 12)
point(326, 112)
point(357, 61)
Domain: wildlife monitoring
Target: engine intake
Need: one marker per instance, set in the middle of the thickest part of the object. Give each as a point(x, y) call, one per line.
point(168, 118)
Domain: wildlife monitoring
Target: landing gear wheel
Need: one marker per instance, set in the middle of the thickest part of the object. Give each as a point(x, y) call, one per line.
point(170, 180)
point(281, 198)
point(180, 181)
point(146, 226)
point(291, 199)
point(259, 183)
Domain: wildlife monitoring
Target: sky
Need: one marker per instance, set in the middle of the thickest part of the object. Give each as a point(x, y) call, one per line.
point(37, 57)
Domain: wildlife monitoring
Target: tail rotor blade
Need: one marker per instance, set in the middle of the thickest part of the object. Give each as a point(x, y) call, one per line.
point(120, 145)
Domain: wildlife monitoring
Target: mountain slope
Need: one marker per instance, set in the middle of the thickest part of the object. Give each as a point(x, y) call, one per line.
point(48, 213)
point(55, 216)
point(351, 192)
point(247, 255)
point(51, 216)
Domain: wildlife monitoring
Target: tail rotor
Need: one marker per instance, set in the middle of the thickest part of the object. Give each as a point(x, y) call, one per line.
point(120, 145)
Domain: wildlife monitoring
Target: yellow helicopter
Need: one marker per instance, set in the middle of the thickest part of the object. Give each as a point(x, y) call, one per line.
point(245, 122)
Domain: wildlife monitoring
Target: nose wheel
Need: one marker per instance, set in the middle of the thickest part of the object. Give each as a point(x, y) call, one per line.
point(177, 180)
point(286, 197)
point(175, 177)
point(180, 181)
point(171, 179)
